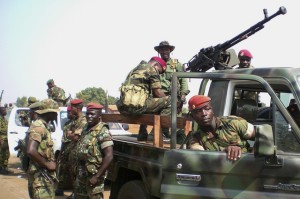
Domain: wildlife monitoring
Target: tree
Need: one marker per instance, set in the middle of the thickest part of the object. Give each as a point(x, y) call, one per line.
point(21, 102)
point(93, 94)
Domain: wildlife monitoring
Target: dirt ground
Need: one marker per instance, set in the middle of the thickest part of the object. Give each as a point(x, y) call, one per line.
point(14, 186)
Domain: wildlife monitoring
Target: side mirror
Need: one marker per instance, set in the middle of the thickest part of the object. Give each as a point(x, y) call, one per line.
point(125, 127)
point(51, 126)
point(264, 141)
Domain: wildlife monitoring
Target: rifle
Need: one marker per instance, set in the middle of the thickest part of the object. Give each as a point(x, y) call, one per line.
point(45, 173)
point(217, 56)
point(1, 96)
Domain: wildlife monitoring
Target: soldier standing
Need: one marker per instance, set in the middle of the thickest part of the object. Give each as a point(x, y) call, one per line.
point(56, 93)
point(173, 65)
point(4, 147)
point(73, 134)
point(94, 155)
point(42, 165)
point(63, 159)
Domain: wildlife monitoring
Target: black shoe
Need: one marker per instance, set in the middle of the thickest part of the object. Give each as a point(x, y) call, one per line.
point(72, 196)
point(59, 192)
point(5, 171)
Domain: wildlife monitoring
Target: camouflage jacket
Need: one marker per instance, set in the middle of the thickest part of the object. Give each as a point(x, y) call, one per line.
point(231, 130)
point(56, 93)
point(40, 132)
point(91, 144)
point(173, 65)
point(3, 127)
point(144, 76)
point(66, 129)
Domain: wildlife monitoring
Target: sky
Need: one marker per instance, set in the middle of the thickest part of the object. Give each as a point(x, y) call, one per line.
point(89, 43)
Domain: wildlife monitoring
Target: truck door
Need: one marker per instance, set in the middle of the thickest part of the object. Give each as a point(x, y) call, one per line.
point(272, 171)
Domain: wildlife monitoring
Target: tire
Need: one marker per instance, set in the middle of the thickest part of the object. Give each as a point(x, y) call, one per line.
point(133, 190)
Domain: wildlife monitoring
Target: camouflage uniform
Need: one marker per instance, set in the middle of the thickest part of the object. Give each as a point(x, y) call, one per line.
point(145, 76)
point(4, 147)
point(57, 94)
point(231, 130)
point(173, 65)
point(69, 157)
point(89, 154)
point(40, 186)
point(64, 170)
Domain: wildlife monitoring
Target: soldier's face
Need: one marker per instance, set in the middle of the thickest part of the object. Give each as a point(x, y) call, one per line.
point(204, 115)
point(93, 116)
point(244, 62)
point(165, 53)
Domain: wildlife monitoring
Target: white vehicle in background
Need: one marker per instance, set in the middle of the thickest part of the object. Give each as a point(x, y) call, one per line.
point(17, 130)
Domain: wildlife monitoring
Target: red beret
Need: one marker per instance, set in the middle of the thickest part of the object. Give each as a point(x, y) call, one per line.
point(76, 101)
point(93, 105)
point(69, 108)
point(245, 53)
point(161, 62)
point(198, 101)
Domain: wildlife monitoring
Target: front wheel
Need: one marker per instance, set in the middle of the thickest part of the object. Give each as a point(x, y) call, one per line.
point(133, 190)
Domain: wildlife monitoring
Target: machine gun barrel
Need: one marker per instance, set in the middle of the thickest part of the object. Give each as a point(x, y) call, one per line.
point(253, 29)
point(217, 56)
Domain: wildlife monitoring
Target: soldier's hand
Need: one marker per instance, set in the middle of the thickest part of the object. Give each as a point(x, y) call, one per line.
point(51, 166)
point(93, 180)
point(233, 152)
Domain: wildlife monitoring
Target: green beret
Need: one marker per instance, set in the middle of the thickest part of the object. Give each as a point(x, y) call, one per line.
point(50, 81)
point(32, 100)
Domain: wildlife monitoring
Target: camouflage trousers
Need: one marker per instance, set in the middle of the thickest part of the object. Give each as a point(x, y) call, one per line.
point(65, 176)
point(39, 187)
point(83, 189)
point(4, 153)
point(159, 105)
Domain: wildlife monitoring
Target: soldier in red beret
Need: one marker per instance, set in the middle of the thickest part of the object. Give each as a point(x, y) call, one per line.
point(245, 59)
point(94, 154)
point(227, 133)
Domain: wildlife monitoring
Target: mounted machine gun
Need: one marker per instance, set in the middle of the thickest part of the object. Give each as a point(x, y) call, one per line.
point(218, 56)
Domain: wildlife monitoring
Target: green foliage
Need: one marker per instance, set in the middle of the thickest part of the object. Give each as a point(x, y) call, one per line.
point(21, 102)
point(93, 94)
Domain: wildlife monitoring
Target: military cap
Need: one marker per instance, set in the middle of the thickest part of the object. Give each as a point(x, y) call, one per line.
point(198, 101)
point(47, 106)
point(161, 62)
point(93, 105)
point(164, 44)
point(245, 53)
point(76, 101)
point(32, 100)
point(35, 105)
point(50, 81)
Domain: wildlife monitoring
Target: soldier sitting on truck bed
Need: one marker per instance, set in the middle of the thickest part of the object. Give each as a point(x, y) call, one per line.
point(228, 133)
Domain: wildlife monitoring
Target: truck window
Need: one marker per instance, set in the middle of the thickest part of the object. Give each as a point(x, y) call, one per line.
point(22, 118)
point(285, 140)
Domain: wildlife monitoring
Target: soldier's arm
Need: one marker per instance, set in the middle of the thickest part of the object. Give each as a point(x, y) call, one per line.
point(33, 154)
point(158, 93)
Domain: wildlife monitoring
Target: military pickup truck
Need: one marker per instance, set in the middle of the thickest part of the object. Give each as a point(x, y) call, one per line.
point(144, 170)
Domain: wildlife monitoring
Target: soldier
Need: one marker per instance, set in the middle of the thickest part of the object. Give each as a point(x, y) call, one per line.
point(73, 134)
point(63, 158)
point(173, 65)
point(4, 147)
point(24, 116)
point(228, 133)
point(42, 166)
point(94, 153)
point(146, 77)
point(245, 59)
point(56, 93)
